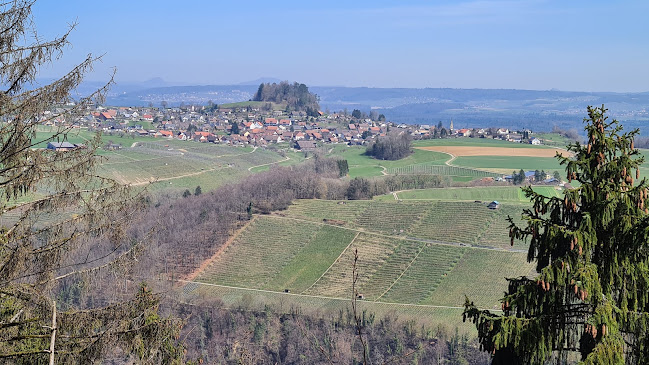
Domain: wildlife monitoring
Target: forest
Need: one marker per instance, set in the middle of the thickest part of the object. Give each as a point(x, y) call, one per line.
point(391, 147)
point(295, 95)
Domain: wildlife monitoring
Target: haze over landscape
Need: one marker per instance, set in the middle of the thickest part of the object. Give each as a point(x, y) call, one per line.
point(331, 182)
point(531, 44)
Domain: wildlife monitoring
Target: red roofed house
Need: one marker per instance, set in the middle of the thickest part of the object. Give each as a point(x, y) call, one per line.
point(168, 134)
point(285, 122)
point(271, 121)
point(148, 117)
point(202, 136)
point(105, 116)
point(464, 132)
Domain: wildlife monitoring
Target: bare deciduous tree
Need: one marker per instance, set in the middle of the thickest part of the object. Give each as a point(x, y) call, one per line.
point(52, 205)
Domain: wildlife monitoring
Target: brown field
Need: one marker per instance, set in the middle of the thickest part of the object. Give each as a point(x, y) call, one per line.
point(496, 151)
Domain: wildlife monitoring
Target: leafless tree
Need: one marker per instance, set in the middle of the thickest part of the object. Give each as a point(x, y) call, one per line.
point(52, 206)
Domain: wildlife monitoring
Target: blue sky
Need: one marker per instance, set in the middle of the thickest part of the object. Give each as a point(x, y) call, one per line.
point(536, 44)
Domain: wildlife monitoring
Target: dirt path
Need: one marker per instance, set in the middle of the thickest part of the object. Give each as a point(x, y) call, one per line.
point(405, 238)
point(178, 177)
point(218, 252)
point(267, 164)
point(333, 263)
point(324, 297)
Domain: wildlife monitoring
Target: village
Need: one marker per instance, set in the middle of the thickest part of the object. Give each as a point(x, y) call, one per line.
point(257, 126)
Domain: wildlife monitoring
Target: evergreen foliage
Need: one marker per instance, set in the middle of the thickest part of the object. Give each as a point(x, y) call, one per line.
point(518, 177)
point(343, 167)
point(50, 238)
point(590, 301)
point(296, 96)
point(235, 128)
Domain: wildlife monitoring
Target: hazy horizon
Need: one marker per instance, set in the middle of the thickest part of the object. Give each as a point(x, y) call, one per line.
point(590, 46)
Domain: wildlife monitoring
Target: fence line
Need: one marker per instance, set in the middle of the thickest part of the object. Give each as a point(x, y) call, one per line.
point(439, 170)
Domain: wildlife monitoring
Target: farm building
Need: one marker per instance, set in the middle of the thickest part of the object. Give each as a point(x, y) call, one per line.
point(305, 145)
point(493, 205)
point(61, 146)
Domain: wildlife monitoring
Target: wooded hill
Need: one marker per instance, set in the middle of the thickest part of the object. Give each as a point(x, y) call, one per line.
point(296, 96)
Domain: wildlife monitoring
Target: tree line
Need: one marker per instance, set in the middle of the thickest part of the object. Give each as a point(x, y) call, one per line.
point(391, 147)
point(265, 336)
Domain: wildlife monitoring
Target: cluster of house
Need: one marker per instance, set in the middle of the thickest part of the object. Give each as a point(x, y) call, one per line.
point(254, 126)
point(524, 136)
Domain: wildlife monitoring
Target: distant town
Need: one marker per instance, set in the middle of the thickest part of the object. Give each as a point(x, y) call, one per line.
point(261, 125)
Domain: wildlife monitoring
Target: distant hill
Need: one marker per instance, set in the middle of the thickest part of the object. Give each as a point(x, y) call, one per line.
point(261, 80)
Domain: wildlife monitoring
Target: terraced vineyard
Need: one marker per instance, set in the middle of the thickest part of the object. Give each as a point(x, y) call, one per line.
point(391, 217)
point(259, 253)
point(182, 164)
point(498, 228)
point(373, 252)
point(444, 170)
point(487, 270)
point(287, 302)
point(319, 210)
point(307, 251)
point(425, 273)
point(446, 221)
point(453, 222)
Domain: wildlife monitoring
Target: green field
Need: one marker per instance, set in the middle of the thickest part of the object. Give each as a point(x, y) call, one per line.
point(365, 166)
point(171, 164)
point(475, 142)
point(507, 164)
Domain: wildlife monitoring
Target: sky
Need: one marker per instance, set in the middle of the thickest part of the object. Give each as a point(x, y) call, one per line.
point(574, 45)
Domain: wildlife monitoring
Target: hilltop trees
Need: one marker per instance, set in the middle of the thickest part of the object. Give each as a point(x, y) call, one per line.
point(590, 300)
point(53, 205)
point(296, 96)
point(392, 147)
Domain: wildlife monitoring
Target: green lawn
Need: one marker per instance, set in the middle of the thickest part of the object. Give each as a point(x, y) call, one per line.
point(312, 260)
point(365, 166)
point(507, 164)
point(475, 142)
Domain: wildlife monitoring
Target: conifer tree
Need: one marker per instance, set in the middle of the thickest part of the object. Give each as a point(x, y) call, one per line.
point(590, 300)
point(53, 207)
